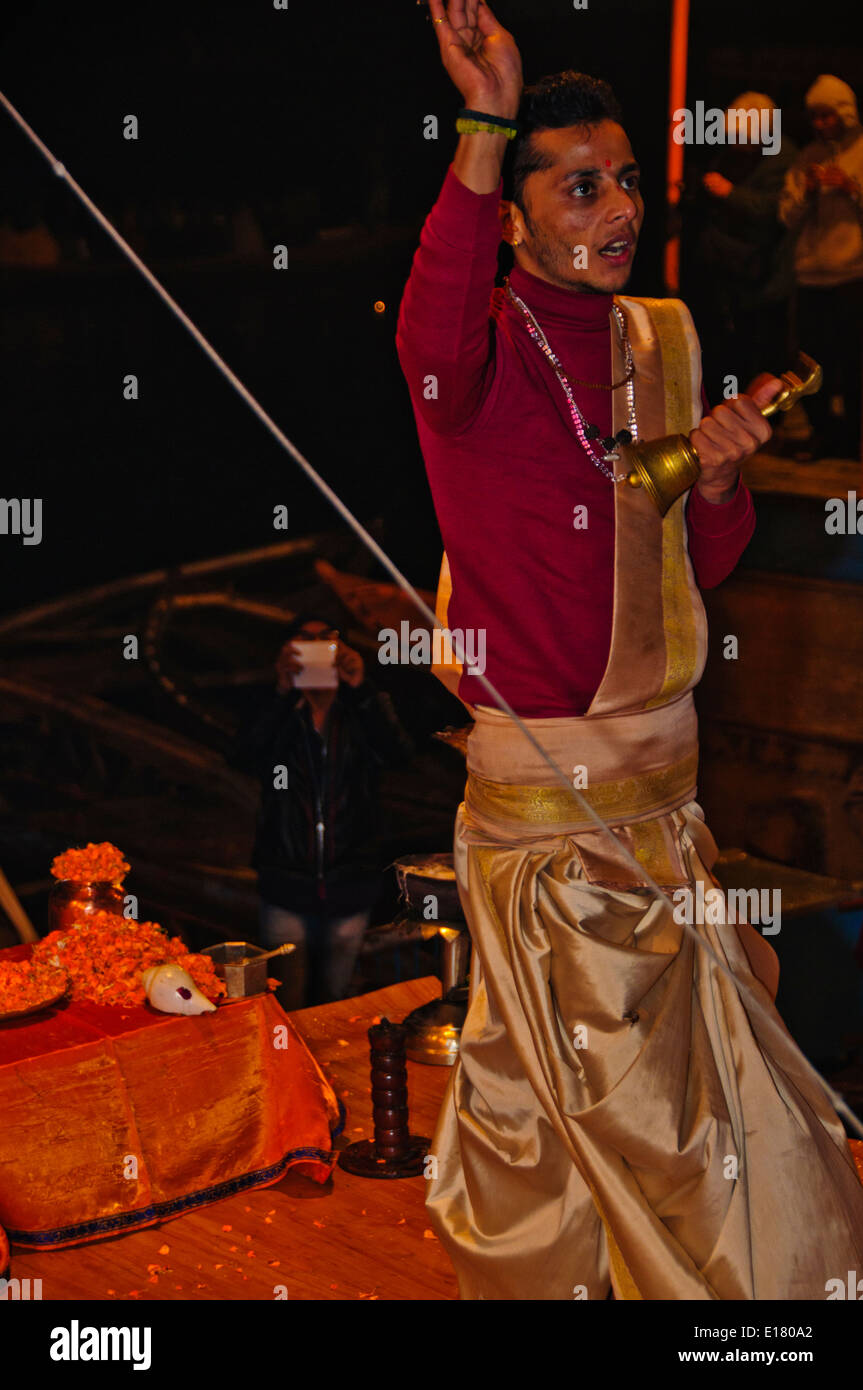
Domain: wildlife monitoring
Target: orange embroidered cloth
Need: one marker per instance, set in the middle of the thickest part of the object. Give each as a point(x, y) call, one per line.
point(118, 1118)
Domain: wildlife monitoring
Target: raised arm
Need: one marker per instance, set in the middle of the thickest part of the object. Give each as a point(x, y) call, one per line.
point(443, 336)
point(483, 61)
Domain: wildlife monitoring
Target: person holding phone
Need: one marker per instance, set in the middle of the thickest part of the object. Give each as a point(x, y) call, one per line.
point(318, 747)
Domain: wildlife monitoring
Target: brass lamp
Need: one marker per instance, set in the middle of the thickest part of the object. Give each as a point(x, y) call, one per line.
point(666, 467)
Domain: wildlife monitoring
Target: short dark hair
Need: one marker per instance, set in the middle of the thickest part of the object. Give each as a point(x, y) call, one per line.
point(296, 625)
point(556, 101)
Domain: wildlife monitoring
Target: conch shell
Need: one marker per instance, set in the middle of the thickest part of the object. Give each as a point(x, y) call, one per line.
point(172, 991)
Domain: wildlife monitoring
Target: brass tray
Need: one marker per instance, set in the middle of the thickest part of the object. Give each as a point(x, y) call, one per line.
point(35, 1008)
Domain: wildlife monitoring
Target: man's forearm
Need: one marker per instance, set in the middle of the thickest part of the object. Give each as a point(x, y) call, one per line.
point(718, 534)
point(478, 159)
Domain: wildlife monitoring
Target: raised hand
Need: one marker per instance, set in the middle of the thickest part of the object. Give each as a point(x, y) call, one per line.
point(350, 665)
point(287, 665)
point(480, 55)
point(718, 186)
point(834, 177)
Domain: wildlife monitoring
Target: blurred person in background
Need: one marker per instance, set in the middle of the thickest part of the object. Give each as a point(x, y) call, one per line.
point(744, 257)
point(318, 754)
point(821, 204)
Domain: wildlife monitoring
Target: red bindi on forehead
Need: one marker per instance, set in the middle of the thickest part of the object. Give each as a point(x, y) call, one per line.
point(608, 164)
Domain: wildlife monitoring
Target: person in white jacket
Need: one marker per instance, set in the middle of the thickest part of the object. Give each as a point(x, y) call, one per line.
point(822, 201)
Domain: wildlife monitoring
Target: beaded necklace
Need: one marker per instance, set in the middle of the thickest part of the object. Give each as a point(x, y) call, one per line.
point(588, 433)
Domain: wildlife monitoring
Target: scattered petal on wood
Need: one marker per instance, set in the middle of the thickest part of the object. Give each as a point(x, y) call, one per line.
point(429, 1235)
point(164, 1249)
point(227, 1228)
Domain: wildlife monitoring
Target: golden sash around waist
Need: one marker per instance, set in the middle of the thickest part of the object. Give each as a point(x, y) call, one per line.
point(628, 766)
point(619, 802)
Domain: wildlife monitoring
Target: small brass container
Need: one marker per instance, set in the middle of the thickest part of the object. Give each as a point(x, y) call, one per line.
point(235, 962)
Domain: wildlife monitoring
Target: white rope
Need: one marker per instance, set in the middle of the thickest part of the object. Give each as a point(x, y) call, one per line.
point(753, 1003)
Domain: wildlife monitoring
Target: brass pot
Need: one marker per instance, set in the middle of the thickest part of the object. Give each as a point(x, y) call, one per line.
point(71, 904)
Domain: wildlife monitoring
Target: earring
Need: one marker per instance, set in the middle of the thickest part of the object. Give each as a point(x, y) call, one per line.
point(515, 241)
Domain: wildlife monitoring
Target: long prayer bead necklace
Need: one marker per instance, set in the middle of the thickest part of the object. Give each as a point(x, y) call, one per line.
point(588, 433)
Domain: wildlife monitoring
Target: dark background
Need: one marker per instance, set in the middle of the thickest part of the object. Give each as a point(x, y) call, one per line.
point(312, 117)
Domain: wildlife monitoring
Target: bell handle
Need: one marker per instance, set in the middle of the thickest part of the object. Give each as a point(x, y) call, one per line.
point(666, 467)
point(795, 386)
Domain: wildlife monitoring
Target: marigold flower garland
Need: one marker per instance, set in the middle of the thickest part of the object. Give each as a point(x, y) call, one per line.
point(99, 954)
point(103, 863)
point(105, 955)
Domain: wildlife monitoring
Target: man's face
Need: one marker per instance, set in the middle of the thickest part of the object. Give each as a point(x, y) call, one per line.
point(826, 123)
point(588, 198)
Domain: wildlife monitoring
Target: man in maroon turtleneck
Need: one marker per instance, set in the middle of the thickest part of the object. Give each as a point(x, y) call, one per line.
point(505, 466)
point(608, 1070)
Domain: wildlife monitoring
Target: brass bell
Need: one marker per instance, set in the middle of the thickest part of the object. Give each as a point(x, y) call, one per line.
point(666, 467)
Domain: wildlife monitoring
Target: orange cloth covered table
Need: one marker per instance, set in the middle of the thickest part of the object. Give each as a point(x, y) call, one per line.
point(117, 1118)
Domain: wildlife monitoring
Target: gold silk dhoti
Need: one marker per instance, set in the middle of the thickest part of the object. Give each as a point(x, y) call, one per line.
point(619, 1115)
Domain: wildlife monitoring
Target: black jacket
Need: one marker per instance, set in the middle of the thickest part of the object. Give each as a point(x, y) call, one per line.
point(315, 842)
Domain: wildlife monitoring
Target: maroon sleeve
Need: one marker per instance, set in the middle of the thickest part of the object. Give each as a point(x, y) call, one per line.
point(444, 338)
point(718, 534)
